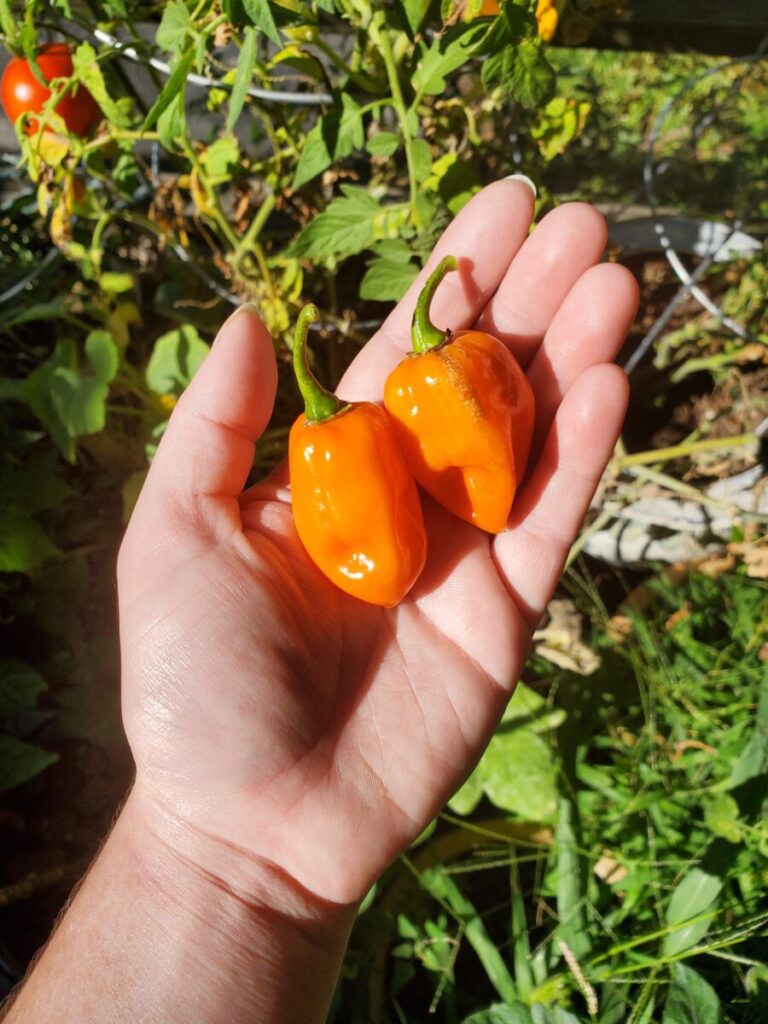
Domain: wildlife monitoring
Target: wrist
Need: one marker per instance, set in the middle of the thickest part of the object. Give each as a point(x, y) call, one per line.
point(251, 917)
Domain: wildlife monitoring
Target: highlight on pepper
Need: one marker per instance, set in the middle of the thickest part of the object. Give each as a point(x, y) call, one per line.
point(355, 503)
point(464, 413)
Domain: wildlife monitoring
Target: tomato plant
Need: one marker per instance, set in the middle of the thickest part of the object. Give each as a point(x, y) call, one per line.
point(23, 93)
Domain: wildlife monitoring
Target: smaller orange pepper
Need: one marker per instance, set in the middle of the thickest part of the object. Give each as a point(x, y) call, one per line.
point(355, 503)
point(464, 411)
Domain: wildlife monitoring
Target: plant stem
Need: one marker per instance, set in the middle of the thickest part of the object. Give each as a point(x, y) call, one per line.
point(254, 229)
point(686, 448)
point(424, 334)
point(319, 404)
point(119, 136)
point(365, 82)
point(380, 34)
point(216, 211)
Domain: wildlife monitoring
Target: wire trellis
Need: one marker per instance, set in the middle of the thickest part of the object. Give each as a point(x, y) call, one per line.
point(688, 281)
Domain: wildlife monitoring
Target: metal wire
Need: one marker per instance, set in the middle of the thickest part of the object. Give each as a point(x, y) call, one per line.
point(310, 99)
point(661, 322)
point(48, 260)
point(688, 280)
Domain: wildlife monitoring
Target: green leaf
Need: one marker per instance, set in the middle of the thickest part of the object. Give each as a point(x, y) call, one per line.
point(523, 72)
point(541, 1014)
point(174, 26)
point(20, 686)
point(517, 772)
point(694, 895)
point(446, 53)
point(103, 355)
point(38, 311)
point(114, 283)
point(175, 359)
point(175, 84)
point(20, 761)
point(221, 159)
point(528, 708)
point(571, 882)
point(721, 816)
point(24, 544)
point(345, 227)
point(89, 73)
point(260, 14)
point(499, 1013)
point(7, 23)
point(172, 123)
point(80, 402)
point(34, 486)
point(691, 1000)
point(414, 12)
point(518, 1013)
point(38, 393)
point(334, 137)
point(753, 760)
point(387, 279)
point(466, 799)
point(383, 144)
point(246, 62)
point(520, 775)
point(421, 155)
point(395, 250)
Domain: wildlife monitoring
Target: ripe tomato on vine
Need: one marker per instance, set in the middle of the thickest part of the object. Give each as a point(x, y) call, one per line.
point(23, 93)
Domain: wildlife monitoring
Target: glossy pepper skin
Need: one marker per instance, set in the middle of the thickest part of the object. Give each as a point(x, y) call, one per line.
point(355, 503)
point(464, 412)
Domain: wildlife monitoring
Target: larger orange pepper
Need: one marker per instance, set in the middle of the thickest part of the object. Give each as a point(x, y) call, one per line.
point(464, 410)
point(355, 503)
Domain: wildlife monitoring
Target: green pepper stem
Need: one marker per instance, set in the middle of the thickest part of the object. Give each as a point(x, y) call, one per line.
point(424, 334)
point(319, 404)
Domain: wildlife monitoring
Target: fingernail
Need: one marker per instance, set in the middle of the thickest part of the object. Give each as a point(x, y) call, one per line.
point(525, 180)
point(249, 307)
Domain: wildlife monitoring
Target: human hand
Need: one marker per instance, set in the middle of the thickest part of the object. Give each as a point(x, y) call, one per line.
point(283, 721)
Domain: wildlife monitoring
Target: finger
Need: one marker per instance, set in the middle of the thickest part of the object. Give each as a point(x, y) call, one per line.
point(569, 240)
point(485, 236)
point(589, 328)
point(545, 519)
point(207, 450)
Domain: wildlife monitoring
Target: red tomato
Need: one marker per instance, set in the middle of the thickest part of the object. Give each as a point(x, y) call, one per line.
point(21, 92)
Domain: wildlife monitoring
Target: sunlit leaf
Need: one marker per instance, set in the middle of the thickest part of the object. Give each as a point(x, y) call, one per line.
point(174, 26)
point(691, 1000)
point(175, 359)
point(246, 62)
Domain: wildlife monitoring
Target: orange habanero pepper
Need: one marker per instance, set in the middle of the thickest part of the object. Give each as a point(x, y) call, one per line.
point(355, 504)
point(464, 411)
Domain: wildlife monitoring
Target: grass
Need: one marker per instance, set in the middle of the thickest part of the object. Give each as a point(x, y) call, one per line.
point(643, 898)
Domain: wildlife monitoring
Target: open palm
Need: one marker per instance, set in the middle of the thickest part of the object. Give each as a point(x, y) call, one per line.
point(272, 712)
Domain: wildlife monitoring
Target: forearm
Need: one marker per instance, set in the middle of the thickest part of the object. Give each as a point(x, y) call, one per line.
point(157, 932)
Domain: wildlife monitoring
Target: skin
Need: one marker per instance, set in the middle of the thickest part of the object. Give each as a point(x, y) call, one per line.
point(289, 740)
